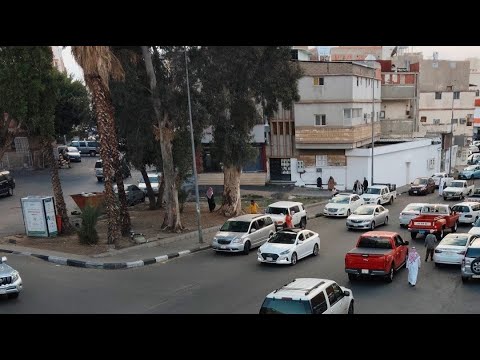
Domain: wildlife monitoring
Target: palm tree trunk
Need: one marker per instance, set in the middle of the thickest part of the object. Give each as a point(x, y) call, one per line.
point(108, 152)
point(67, 227)
point(126, 224)
point(165, 128)
point(231, 204)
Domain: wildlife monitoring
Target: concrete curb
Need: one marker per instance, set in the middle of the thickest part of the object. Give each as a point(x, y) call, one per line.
point(107, 266)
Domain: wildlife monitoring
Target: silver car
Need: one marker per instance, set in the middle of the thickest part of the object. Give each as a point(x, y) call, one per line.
point(471, 261)
point(409, 212)
point(368, 217)
point(10, 280)
point(243, 233)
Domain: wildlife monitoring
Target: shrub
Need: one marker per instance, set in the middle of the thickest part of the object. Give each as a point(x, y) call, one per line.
point(88, 233)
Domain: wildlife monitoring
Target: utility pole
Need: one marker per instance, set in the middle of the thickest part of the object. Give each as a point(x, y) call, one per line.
point(451, 127)
point(373, 116)
point(197, 196)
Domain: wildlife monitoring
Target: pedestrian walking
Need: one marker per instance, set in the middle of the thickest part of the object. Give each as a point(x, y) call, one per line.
point(210, 199)
point(440, 186)
point(430, 243)
point(288, 221)
point(253, 208)
point(365, 184)
point(331, 183)
point(355, 186)
point(413, 264)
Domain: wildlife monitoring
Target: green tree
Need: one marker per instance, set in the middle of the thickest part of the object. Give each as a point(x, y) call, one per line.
point(242, 85)
point(28, 93)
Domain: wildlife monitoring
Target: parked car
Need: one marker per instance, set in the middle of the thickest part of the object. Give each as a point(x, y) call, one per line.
point(458, 189)
point(99, 170)
point(72, 153)
point(437, 176)
point(133, 193)
point(377, 253)
point(470, 172)
point(7, 183)
point(280, 209)
point(342, 204)
point(87, 146)
point(289, 245)
point(380, 194)
point(155, 180)
point(469, 212)
point(309, 296)
point(422, 186)
point(10, 280)
point(473, 149)
point(475, 229)
point(452, 248)
point(475, 196)
point(409, 212)
point(471, 262)
point(436, 217)
point(473, 159)
point(242, 233)
point(368, 217)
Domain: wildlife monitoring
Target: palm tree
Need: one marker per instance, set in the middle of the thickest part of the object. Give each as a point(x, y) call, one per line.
point(98, 64)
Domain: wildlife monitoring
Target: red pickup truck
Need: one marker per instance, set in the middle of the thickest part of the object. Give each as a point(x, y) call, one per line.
point(436, 217)
point(378, 253)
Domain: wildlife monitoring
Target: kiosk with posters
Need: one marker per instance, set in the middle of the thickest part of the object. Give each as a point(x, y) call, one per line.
point(39, 216)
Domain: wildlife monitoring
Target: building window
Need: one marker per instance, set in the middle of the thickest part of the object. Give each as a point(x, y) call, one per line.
point(463, 121)
point(438, 95)
point(423, 119)
point(436, 121)
point(456, 95)
point(317, 81)
point(320, 120)
point(477, 93)
point(347, 113)
point(382, 114)
point(357, 83)
point(321, 160)
point(292, 126)
point(356, 113)
point(454, 121)
point(274, 128)
point(280, 128)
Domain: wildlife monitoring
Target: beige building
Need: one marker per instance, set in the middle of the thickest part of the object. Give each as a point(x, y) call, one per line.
point(58, 58)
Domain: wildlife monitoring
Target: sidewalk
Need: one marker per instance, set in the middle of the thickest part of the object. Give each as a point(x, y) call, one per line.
point(154, 251)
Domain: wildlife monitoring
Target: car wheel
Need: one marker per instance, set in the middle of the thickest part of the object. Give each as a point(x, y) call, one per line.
point(293, 260)
point(93, 153)
point(246, 248)
point(352, 277)
point(464, 279)
point(476, 266)
point(455, 227)
point(315, 250)
point(303, 223)
point(413, 235)
point(386, 221)
point(372, 225)
point(13, 295)
point(99, 179)
point(444, 198)
point(391, 200)
point(389, 277)
point(10, 191)
point(350, 308)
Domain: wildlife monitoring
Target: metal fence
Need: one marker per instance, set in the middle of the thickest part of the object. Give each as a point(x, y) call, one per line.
point(15, 160)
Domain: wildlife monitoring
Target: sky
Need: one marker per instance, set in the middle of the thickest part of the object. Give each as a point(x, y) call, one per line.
point(444, 53)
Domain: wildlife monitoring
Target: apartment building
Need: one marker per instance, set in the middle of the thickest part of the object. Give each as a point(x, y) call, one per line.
point(353, 53)
point(475, 86)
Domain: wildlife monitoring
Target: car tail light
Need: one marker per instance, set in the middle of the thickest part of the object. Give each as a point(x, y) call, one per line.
point(438, 251)
point(461, 252)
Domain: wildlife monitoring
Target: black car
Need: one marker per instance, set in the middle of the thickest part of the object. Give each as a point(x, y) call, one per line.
point(422, 186)
point(7, 183)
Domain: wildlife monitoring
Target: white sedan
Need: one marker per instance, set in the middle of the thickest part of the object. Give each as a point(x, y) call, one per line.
point(469, 212)
point(368, 217)
point(289, 245)
point(409, 212)
point(343, 204)
point(452, 248)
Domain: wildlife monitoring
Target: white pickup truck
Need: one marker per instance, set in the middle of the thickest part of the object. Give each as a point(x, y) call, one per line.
point(458, 189)
point(380, 194)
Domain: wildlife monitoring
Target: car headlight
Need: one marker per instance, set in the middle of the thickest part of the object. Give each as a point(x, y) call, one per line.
point(285, 252)
point(215, 239)
point(15, 276)
point(237, 240)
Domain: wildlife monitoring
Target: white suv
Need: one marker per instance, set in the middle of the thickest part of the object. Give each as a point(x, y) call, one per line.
point(280, 209)
point(309, 296)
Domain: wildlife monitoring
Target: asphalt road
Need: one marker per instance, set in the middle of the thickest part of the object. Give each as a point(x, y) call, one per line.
point(206, 282)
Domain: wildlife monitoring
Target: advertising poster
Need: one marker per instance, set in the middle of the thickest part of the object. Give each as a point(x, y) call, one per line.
point(34, 218)
point(50, 216)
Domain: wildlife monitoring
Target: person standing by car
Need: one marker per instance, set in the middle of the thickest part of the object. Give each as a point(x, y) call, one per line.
point(440, 186)
point(413, 264)
point(430, 242)
point(288, 221)
point(210, 199)
point(355, 186)
point(365, 184)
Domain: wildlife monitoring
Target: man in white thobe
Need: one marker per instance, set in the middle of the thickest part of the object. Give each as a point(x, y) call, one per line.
point(440, 186)
point(413, 264)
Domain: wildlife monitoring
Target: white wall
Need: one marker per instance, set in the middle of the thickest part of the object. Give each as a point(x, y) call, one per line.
point(395, 109)
point(305, 113)
point(334, 88)
point(364, 89)
point(309, 177)
point(390, 162)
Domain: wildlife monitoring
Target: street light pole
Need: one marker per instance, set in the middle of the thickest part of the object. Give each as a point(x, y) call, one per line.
point(451, 127)
point(197, 196)
point(373, 116)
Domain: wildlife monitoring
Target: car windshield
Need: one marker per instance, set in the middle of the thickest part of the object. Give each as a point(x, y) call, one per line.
point(413, 208)
point(363, 210)
point(473, 252)
point(283, 238)
point(285, 306)
point(455, 240)
point(235, 226)
point(461, 208)
point(72, 149)
point(420, 181)
point(375, 191)
point(340, 200)
point(456, 184)
point(375, 243)
point(98, 165)
point(276, 211)
point(153, 179)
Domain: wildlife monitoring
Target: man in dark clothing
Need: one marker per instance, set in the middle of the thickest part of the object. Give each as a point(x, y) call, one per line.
point(430, 242)
point(365, 184)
